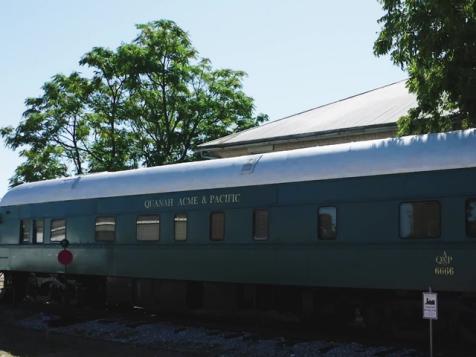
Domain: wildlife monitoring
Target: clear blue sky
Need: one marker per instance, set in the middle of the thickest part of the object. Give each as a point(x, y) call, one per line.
point(298, 54)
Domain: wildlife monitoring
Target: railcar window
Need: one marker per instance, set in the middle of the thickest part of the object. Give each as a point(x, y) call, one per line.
point(148, 228)
point(327, 222)
point(25, 225)
point(420, 220)
point(58, 230)
point(180, 226)
point(471, 218)
point(260, 224)
point(217, 226)
point(38, 231)
point(105, 228)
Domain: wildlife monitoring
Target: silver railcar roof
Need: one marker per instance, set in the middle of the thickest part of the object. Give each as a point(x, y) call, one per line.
point(366, 158)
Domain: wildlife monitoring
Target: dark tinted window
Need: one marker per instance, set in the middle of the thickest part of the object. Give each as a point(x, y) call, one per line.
point(217, 226)
point(38, 231)
point(420, 219)
point(148, 228)
point(180, 226)
point(105, 228)
point(471, 218)
point(260, 224)
point(58, 230)
point(327, 222)
point(25, 225)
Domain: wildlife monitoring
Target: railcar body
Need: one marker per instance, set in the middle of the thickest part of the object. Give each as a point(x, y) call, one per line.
point(395, 214)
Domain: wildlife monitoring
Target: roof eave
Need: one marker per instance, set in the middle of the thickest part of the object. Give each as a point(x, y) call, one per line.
point(319, 135)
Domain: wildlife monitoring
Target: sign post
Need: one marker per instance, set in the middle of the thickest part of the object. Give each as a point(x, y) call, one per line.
point(65, 257)
point(430, 312)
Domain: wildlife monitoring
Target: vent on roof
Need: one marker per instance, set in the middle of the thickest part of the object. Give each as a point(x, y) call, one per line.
point(249, 167)
point(71, 180)
point(75, 182)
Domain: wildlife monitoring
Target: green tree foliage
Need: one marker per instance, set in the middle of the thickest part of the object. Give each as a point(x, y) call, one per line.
point(149, 102)
point(39, 165)
point(112, 144)
point(435, 41)
point(54, 131)
point(195, 102)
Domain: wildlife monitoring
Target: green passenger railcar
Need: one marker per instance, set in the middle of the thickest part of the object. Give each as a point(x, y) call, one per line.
point(396, 214)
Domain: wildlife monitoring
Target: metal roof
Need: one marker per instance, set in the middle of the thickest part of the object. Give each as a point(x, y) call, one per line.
point(365, 158)
point(376, 108)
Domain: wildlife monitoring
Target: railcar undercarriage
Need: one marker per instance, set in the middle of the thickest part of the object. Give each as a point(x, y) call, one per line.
point(395, 313)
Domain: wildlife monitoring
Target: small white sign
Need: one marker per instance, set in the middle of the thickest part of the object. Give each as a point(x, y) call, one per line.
point(430, 306)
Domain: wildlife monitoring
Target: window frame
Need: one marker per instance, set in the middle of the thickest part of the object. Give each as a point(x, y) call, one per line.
point(211, 225)
point(51, 227)
point(115, 230)
point(466, 225)
point(319, 223)
point(35, 231)
point(267, 224)
point(186, 226)
point(137, 228)
point(440, 224)
point(30, 232)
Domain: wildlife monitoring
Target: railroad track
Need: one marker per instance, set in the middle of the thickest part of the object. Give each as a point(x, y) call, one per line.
point(211, 335)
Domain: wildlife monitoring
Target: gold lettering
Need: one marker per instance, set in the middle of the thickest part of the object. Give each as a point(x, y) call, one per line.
point(445, 271)
point(225, 198)
point(188, 201)
point(168, 202)
point(444, 259)
point(444, 265)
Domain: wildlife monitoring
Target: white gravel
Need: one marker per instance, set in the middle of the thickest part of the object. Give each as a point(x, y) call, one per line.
point(207, 341)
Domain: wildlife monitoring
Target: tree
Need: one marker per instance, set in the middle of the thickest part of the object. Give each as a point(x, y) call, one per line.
point(149, 102)
point(179, 100)
point(39, 165)
point(435, 41)
point(54, 132)
point(112, 147)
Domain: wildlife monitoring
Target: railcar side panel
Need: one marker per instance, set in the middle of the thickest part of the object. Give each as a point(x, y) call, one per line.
point(368, 251)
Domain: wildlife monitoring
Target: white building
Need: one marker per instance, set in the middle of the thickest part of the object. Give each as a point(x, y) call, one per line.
point(369, 115)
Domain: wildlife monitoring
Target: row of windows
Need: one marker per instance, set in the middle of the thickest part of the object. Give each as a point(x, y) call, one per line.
point(32, 231)
point(148, 228)
point(417, 220)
